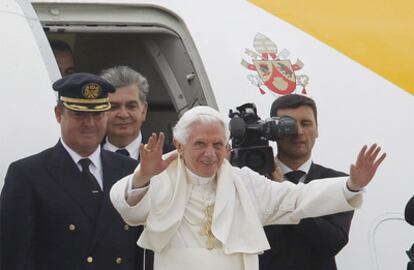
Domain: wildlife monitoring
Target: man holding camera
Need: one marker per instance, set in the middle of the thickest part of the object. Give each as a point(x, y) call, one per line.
point(313, 243)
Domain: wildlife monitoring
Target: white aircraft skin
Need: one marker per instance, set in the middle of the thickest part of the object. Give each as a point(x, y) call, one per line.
point(355, 105)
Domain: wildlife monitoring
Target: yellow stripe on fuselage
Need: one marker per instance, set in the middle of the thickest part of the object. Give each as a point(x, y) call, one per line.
point(377, 34)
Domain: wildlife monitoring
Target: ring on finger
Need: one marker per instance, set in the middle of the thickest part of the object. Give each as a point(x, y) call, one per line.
point(147, 148)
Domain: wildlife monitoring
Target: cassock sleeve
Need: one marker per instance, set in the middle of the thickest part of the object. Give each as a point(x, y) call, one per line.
point(287, 203)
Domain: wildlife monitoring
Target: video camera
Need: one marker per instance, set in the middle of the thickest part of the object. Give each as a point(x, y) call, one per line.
point(250, 137)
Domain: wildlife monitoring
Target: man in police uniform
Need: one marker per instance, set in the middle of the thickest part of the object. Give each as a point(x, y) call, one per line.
point(55, 211)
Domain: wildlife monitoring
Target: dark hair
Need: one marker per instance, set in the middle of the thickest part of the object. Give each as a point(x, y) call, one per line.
point(60, 45)
point(60, 105)
point(293, 101)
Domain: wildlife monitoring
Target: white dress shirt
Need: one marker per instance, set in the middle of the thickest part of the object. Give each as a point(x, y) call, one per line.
point(305, 167)
point(96, 164)
point(133, 147)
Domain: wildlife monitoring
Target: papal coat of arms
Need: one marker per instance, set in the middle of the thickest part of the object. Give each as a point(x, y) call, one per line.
point(274, 70)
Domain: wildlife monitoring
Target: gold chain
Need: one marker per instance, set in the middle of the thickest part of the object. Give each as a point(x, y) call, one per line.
point(206, 229)
point(208, 219)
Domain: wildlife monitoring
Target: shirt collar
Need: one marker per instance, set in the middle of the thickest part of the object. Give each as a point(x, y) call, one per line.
point(305, 167)
point(133, 147)
point(199, 180)
point(94, 157)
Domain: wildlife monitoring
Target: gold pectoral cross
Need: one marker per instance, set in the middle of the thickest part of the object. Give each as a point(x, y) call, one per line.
point(206, 229)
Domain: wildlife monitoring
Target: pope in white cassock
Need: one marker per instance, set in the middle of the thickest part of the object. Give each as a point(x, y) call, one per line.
point(199, 212)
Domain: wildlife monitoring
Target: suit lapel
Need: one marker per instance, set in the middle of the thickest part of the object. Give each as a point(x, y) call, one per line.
point(65, 172)
point(314, 173)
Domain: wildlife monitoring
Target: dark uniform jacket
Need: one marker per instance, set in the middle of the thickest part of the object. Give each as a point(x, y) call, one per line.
point(313, 243)
point(47, 221)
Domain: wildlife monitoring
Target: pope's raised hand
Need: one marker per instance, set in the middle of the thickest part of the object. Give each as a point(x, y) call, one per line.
point(151, 161)
point(362, 172)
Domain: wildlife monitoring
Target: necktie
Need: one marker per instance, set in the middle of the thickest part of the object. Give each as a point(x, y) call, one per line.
point(88, 176)
point(294, 176)
point(123, 151)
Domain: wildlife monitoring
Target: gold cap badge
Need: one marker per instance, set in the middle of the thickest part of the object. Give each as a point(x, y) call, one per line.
point(91, 90)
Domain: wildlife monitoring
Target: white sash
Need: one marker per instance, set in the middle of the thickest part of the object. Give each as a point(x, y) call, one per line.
point(235, 221)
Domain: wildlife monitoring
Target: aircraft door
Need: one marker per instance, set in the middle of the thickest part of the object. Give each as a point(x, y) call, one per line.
point(151, 40)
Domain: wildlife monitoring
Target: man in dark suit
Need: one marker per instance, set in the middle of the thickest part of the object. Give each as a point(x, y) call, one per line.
point(314, 242)
point(128, 112)
point(55, 211)
point(125, 119)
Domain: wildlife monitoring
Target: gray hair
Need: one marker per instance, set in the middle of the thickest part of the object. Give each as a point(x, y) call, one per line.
point(120, 76)
point(199, 114)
